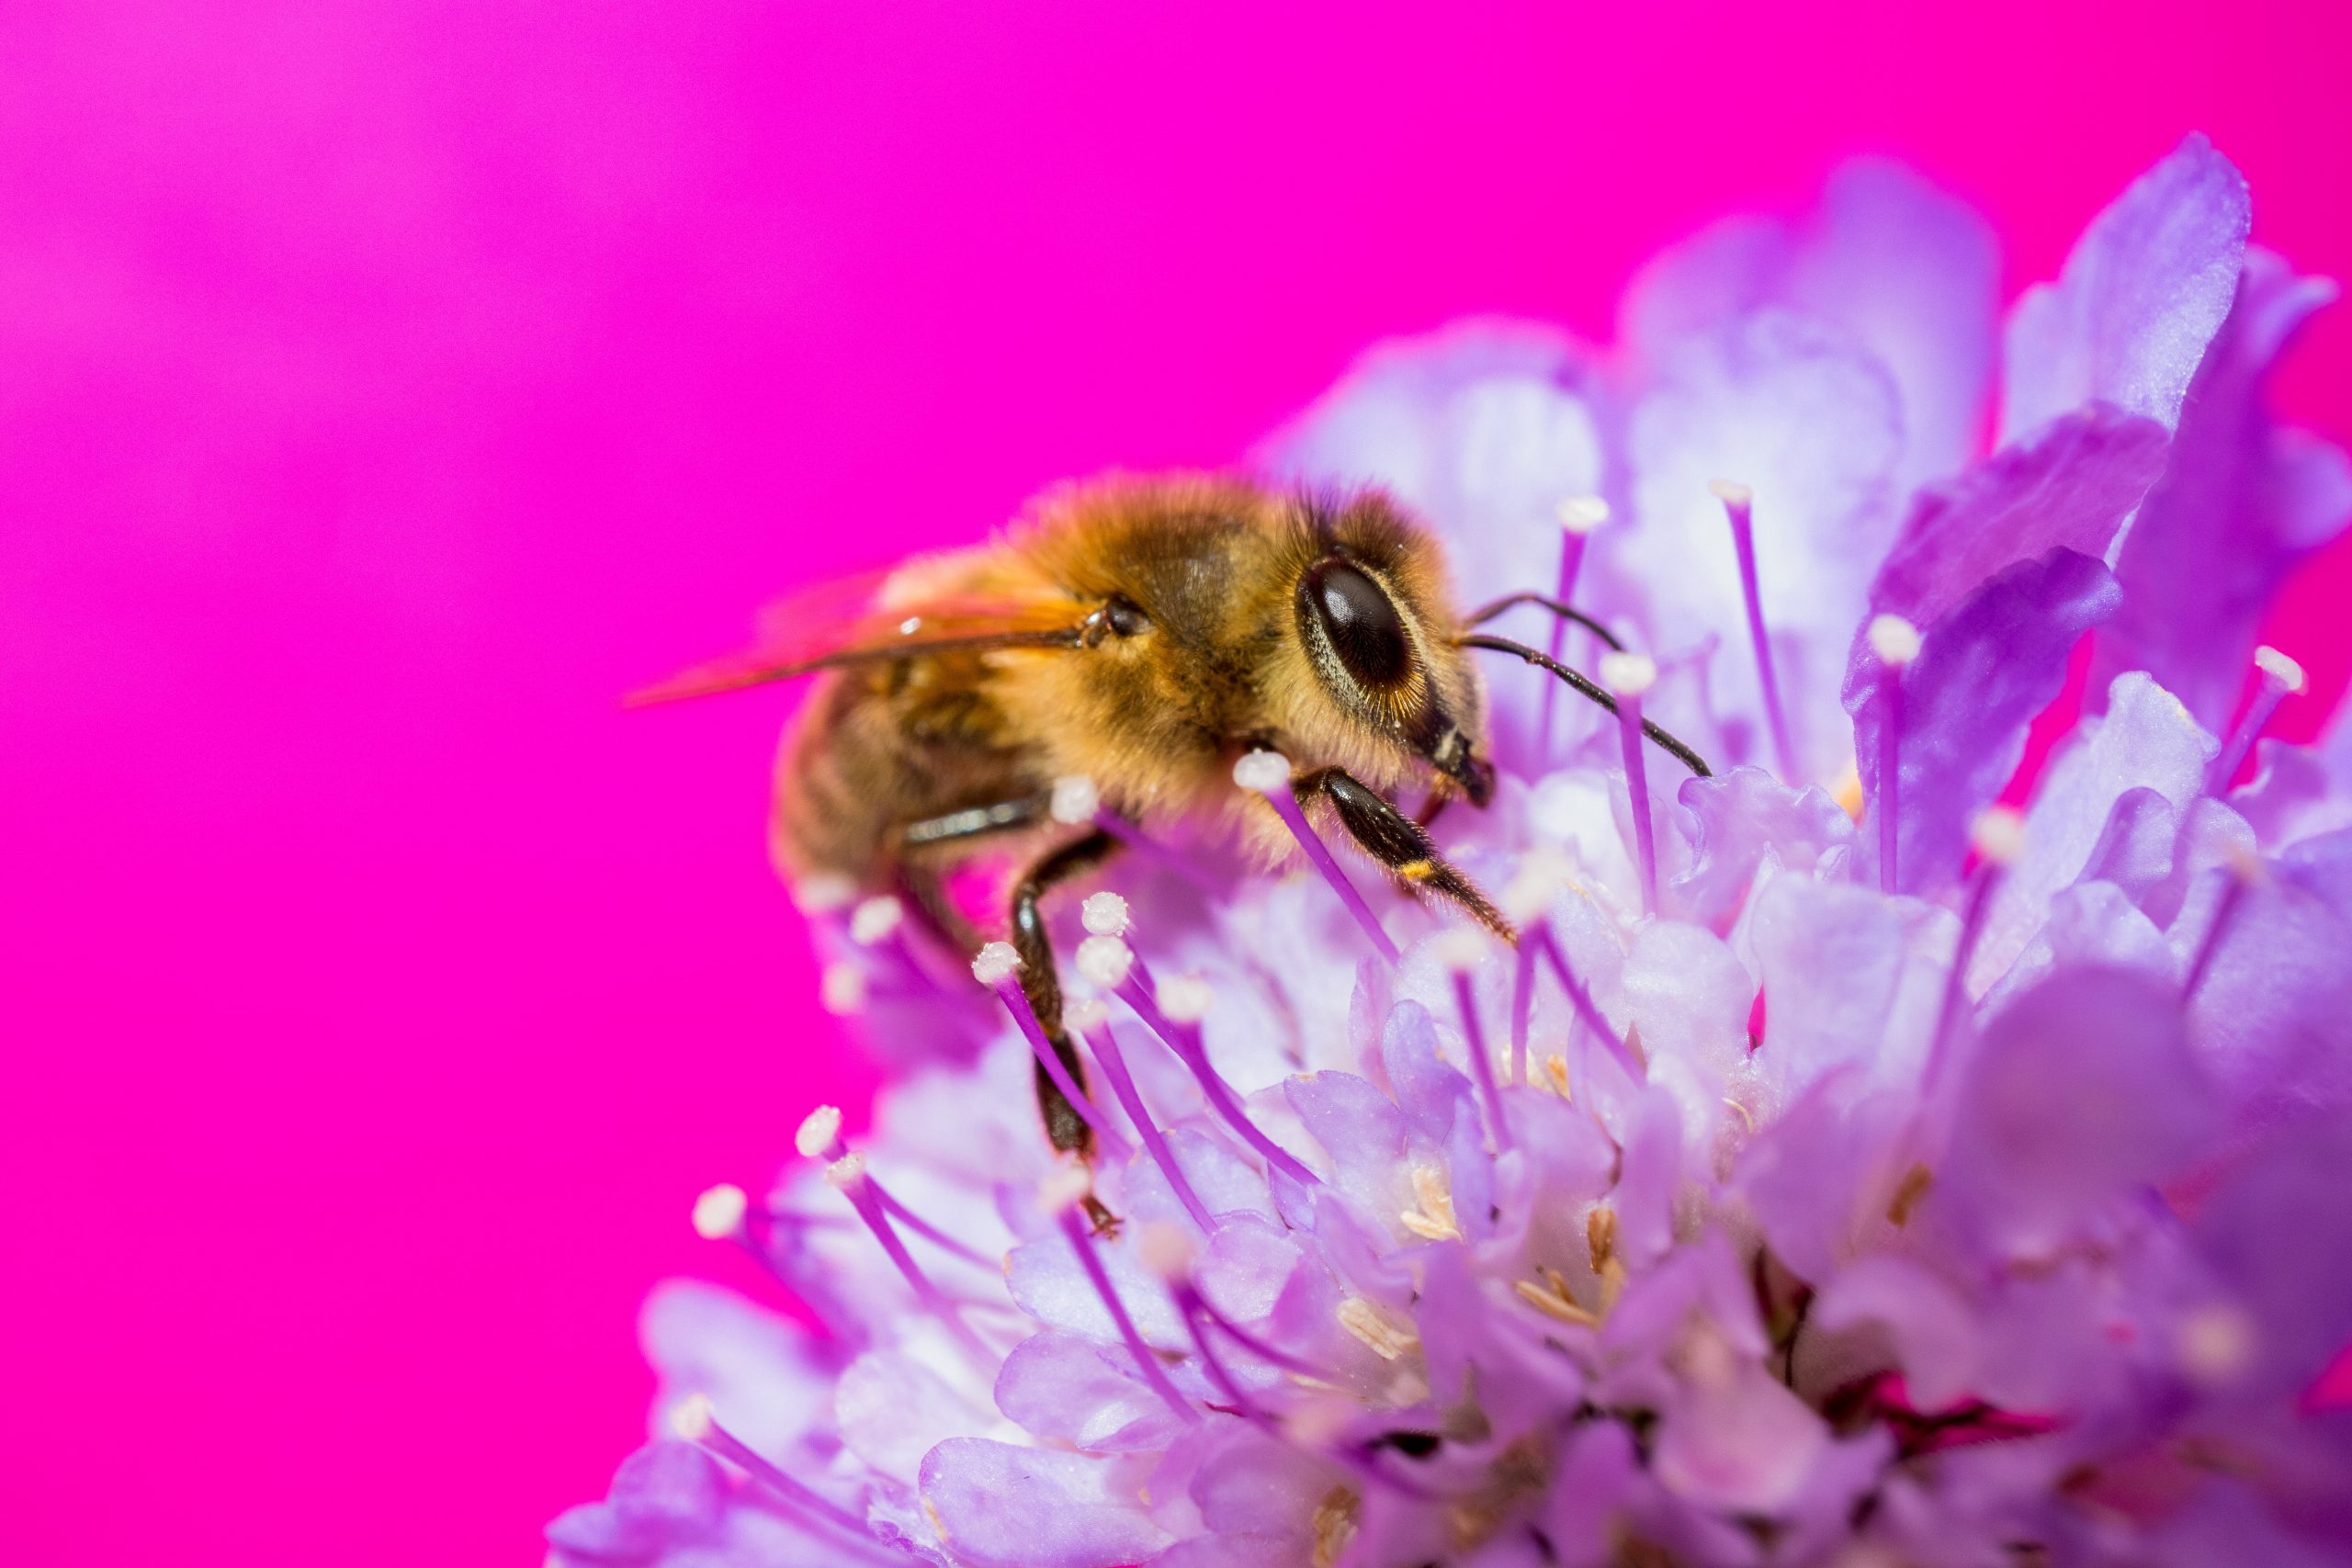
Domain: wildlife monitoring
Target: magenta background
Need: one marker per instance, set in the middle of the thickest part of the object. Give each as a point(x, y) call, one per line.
point(385, 387)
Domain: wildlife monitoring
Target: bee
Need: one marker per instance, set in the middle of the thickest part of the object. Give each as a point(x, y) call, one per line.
point(1142, 634)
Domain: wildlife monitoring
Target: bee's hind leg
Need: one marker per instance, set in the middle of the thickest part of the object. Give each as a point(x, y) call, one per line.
point(1398, 843)
point(1041, 982)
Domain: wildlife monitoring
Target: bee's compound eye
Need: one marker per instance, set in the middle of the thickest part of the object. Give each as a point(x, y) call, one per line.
point(1126, 616)
point(1359, 620)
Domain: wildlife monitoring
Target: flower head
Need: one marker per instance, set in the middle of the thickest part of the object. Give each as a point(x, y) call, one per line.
point(1840, 1168)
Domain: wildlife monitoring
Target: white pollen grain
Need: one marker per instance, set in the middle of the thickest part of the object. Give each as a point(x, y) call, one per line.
point(1999, 835)
point(1105, 914)
point(876, 919)
point(690, 1418)
point(1184, 998)
point(994, 964)
point(1458, 948)
point(2279, 667)
point(1262, 771)
point(1076, 800)
point(1104, 961)
point(1628, 674)
point(1731, 492)
point(719, 1213)
point(1894, 639)
point(1583, 514)
point(820, 1133)
point(841, 990)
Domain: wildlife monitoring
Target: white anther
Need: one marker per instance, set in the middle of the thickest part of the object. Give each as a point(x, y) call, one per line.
point(1085, 1014)
point(1184, 1000)
point(1458, 948)
point(1104, 961)
point(1262, 771)
point(2279, 667)
point(995, 962)
point(1543, 872)
point(719, 1213)
point(845, 1172)
point(876, 919)
point(1997, 835)
point(1075, 799)
point(1164, 1249)
point(823, 892)
point(1731, 492)
point(1067, 1186)
point(2217, 1343)
point(841, 989)
point(1105, 914)
point(820, 1133)
point(1894, 639)
point(1628, 674)
point(1583, 514)
point(690, 1418)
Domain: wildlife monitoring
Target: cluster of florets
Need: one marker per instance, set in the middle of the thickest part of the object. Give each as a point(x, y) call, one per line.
point(1841, 1169)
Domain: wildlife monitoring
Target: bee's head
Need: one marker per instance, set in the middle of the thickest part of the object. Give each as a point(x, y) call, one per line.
point(1374, 616)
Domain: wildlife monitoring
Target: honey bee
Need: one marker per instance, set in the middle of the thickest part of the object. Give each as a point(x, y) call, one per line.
point(1143, 634)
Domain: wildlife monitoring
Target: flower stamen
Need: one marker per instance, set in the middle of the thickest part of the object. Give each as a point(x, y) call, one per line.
point(847, 1177)
point(692, 1422)
point(1093, 1022)
point(1739, 503)
point(1268, 772)
point(1579, 516)
point(993, 968)
point(2280, 677)
point(1895, 641)
point(1460, 951)
point(1146, 1361)
point(1627, 676)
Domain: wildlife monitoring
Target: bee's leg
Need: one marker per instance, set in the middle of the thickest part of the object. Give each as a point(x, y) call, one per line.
point(1041, 983)
point(1396, 841)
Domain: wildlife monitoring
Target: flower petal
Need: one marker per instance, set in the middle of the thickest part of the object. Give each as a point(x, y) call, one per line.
point(2146, 287)
point(1001, 1507)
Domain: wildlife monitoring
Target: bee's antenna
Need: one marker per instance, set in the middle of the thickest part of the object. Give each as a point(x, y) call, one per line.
point(1585, 687)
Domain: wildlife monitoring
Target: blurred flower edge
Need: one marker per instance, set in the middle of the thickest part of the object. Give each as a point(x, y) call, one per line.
point(1923, 1181)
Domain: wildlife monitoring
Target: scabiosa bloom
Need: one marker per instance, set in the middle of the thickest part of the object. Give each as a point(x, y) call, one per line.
point(1843, 1169)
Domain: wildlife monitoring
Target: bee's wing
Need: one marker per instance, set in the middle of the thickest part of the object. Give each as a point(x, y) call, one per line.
point(872, 618)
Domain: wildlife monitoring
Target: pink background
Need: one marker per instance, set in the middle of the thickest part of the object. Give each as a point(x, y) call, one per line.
point(385, 387)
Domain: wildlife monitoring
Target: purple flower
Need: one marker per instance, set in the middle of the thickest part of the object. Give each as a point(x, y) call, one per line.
point(1920, 1182)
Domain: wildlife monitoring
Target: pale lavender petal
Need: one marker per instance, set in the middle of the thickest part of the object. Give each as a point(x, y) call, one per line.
point(1738, 1440)
point(703, 1340)
point(1743, 816)
point(2145, 741)
point(1068, 1389)
point(2080, 1091)
point(1001, 1507)
point(2145, 289)
point(2068, 485)
point(1834, 962)
point(2277, 1235)
point(892, 1408)
point(2292, 797)
point(1812, 424)
point(1930, 1328)
point(1050, 1285)
point(1909, 271)
point(2273, 1013)
point(1983, 670)
point(2244, 502)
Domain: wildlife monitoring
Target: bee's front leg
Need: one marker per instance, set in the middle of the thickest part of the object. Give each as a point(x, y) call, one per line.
point(1041, 982)
point(1396, 841)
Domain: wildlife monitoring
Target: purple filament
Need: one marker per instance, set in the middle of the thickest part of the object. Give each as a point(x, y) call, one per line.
point(1971, 924)
point(1316, 850)
point(2267, 698)
point(1186, 1043)
point(1742, 537)
point(1145, 1361)
point(932, 1298)
point(1572, 543)
point(1016, 1002)
point(802, 1498)
point(2224, 910)
point(1541, 941)
point(1482, 1061)
point(1637, 787)
point(1890, 762)
point(1105, 1046)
